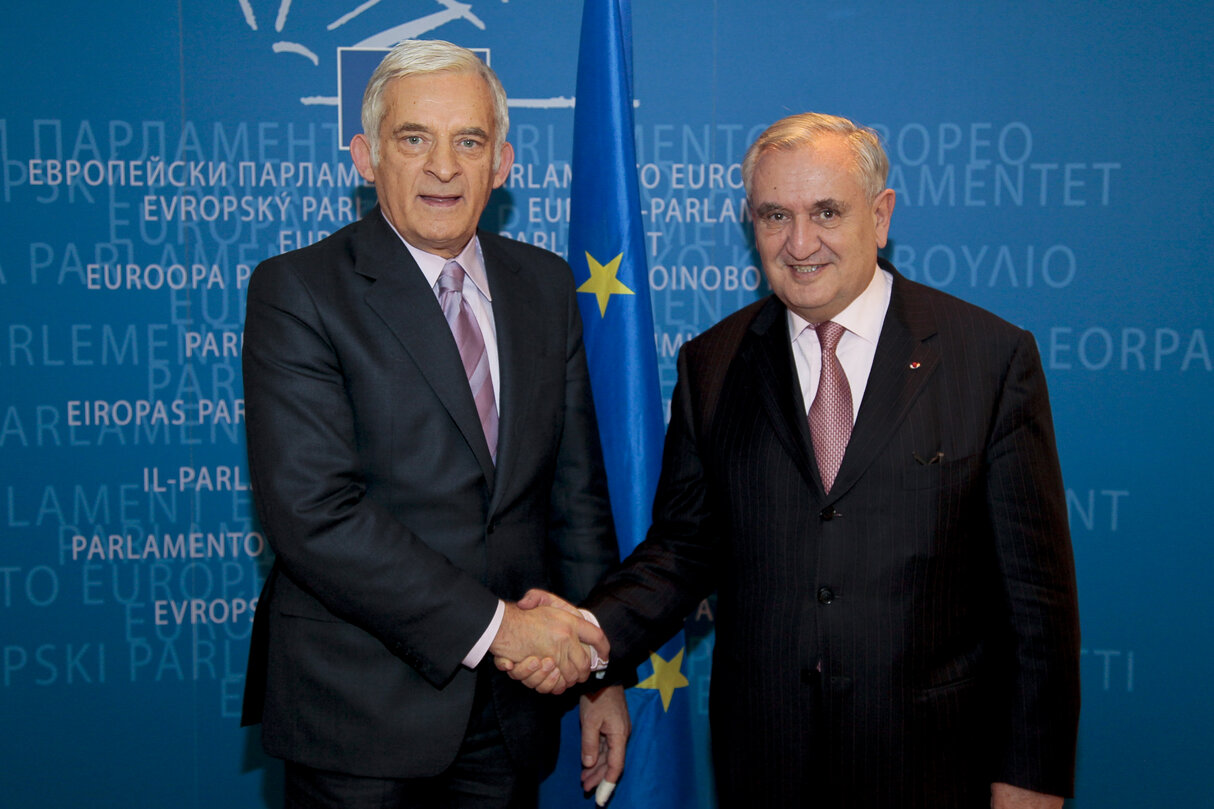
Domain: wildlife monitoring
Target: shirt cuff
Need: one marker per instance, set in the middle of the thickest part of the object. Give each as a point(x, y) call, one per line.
point(478, 652)
point(596, 663)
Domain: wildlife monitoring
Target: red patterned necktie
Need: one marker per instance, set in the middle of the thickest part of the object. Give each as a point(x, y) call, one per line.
point(830, 416)
point(471, 345)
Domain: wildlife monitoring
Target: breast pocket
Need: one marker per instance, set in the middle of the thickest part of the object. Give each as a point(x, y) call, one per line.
point(932, 471)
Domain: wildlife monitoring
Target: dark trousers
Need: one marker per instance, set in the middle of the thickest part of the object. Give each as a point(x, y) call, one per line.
point(481, 777)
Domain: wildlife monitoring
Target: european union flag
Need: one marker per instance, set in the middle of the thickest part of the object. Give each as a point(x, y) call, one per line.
point(607, 253)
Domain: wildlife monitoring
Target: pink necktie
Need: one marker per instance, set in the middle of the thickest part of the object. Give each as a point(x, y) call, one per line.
point(830, 416)
point(471, 345)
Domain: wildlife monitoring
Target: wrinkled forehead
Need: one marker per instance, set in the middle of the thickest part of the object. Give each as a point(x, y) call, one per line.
point(824, 160)
point(448, 90)
point(825, 148)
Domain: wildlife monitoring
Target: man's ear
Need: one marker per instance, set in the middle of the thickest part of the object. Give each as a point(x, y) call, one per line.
point(505, 161)
point(360, 151)
point(883, 209)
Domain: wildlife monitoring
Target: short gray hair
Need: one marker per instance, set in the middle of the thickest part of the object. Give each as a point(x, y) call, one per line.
point(872, 165)
point(415, 57)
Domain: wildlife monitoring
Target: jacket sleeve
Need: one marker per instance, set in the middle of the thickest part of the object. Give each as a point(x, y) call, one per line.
point(1027, 507)
point(645, 601)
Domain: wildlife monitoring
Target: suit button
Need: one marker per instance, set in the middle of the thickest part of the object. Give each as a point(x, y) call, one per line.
point(492, 526)
point(825, 595)
point(827, 514)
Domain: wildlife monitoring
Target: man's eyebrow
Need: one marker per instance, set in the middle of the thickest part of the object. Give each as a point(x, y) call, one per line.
point(409, 126)
point(769, 207)
point(829, 204)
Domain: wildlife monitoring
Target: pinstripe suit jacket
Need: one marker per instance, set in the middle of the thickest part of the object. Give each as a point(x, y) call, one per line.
point(906, 640)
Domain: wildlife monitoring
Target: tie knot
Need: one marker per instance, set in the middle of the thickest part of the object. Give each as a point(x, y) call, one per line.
point(829, 334)
point(452, 277)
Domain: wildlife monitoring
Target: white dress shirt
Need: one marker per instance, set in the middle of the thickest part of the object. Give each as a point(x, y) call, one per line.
point(862, 320)
point(479, 299)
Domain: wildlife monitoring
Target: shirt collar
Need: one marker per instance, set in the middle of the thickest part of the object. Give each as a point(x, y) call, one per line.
point(470, 258)
point(863, 317)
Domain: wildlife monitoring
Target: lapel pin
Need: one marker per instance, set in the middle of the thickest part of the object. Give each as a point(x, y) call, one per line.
point(914, 366)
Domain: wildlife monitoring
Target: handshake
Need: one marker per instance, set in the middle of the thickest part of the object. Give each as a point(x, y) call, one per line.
point(547, 644)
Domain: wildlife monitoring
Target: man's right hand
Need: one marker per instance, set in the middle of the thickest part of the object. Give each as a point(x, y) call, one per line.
point(543, 641)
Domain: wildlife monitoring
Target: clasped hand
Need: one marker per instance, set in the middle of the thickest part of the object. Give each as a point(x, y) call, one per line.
point(545, 643)
point(550, 663)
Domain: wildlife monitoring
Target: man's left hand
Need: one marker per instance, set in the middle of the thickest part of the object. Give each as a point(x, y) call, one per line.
point(1006, 796)
point(605, 729)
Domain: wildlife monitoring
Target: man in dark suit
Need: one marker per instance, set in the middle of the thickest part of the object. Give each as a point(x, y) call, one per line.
point(423, 449)
point(863, 469)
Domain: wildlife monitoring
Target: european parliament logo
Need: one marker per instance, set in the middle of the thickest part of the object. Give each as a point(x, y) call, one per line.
point(356, 61)
point(452, 11)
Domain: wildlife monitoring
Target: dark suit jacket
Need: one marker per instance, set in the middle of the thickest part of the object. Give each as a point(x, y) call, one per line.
point(906, 640)
point(393, 531)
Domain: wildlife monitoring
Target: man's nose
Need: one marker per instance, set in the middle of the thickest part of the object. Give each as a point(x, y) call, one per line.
point(804, 238)
point(442, 162)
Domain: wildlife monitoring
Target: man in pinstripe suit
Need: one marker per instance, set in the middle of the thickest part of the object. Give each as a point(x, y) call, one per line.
point(898, 629)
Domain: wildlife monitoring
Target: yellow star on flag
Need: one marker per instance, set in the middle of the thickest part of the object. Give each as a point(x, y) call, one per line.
point(666, 676)
point(602, 282)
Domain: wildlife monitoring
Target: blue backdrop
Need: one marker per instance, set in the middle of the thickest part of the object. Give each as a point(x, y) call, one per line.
point(1051, 164)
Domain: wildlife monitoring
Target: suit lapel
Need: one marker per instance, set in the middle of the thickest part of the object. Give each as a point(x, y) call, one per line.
point(407, 304)
point(515, 316)
point(767, 355)
point(905, 359)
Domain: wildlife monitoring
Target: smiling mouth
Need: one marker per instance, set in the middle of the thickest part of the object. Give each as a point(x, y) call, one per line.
point(806, 269)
